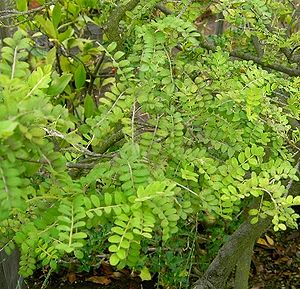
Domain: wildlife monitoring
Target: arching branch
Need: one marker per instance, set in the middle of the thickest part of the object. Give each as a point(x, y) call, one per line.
point(112, 26)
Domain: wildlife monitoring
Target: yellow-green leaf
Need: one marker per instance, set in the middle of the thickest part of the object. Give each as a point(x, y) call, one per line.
point(7, 128)
point(114, 259)
point(145, 274)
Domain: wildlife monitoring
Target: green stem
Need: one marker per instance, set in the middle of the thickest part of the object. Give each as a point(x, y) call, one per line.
point(109, 142)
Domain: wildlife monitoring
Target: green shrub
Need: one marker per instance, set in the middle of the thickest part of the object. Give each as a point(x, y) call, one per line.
point(173, 133)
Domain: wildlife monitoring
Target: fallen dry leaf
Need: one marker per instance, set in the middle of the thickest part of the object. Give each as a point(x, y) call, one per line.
point(99, 280)
point(117, 275)
point(263, 242)
point(106, 268)
point(33, 4)
point(71, 277)
point(270, 240)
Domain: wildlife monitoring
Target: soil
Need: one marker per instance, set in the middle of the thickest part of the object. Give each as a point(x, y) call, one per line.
point(275, 265)
point(117, 284)
point(104, 277)
point(276, 261)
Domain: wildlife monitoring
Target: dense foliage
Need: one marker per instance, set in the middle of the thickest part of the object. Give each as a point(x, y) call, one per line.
point(117, 144)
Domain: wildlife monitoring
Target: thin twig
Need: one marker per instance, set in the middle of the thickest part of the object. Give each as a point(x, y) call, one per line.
point(94, 75)
point(163, 9)
point(184, 8)
point(187, 189)
point(257, 46)
point(11, 13)
point(247, 56)
point(81, 165)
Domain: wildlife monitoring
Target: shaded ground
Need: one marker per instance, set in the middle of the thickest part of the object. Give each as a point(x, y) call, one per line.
point(104, 277)
point(81, 284)
point(275, 265)
point(276, 261)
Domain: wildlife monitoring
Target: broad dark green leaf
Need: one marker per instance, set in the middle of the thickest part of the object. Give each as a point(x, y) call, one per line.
point(80, 76)
point(59, 84)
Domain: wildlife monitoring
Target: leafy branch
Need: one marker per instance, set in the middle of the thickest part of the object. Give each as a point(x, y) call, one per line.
point(112, 26)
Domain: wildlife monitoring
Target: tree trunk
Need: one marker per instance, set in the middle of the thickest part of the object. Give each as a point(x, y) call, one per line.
point(243, 268)
point(9, 267)
point(5, 31)
point(228, 256)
